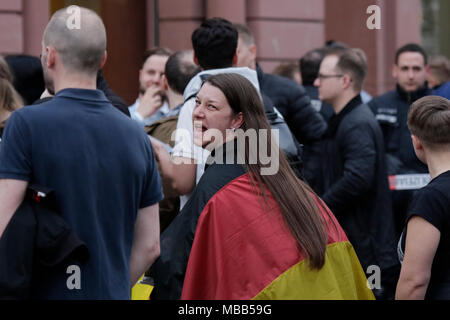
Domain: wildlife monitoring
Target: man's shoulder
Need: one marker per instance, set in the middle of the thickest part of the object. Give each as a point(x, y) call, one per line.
point(359, 118)
point(35, 111)
point(282, 81)
point(381, 100)
point(276, 85)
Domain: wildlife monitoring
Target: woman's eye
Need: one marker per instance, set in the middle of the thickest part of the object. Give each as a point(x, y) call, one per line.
point(212, 107)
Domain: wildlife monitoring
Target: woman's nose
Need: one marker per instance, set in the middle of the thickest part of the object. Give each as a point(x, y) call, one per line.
point(198, 112)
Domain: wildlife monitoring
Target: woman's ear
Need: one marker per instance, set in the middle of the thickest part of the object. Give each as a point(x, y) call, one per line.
point(238, 121)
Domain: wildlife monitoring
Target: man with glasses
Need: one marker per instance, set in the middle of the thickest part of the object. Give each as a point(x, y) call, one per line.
point(354, 183)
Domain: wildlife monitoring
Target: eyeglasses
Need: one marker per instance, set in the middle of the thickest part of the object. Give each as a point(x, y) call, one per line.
point(326, 76)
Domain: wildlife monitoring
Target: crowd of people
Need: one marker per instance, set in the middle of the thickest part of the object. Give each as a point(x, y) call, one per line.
point(222, 181)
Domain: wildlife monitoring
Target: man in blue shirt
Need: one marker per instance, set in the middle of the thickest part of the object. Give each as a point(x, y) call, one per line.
point(152, 104)
point(78, 145)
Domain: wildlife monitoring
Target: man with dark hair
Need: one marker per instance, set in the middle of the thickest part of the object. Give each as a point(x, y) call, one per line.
point(203, 42)
point(354, 180)
point(289, 98)
point(391, 109)
point(151, 104)
point(180, 69)
point(107, 189)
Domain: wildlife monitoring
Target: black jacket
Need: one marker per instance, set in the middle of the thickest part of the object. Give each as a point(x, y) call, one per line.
point(391, 111)
point(355, 184)
point(294, 104)
point(35, 240)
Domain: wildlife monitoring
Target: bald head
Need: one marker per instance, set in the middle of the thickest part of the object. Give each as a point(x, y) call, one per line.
point(80, 46)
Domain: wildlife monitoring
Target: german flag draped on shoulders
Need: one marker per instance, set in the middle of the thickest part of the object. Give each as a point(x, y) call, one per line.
point(226, 245)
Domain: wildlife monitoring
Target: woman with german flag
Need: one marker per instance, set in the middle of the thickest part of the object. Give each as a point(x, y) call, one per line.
point(246, 234)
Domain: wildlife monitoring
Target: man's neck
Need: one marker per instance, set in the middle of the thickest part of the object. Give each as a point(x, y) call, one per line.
point(174, 99)
point(438, 162)
point(341, 102)
point(411, 96)
point(72, 80)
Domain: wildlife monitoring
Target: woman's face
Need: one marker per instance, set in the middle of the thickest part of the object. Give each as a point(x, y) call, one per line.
point(212, 117)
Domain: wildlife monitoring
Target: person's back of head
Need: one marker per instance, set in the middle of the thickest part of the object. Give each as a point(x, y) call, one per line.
point(28, 76)
point(289, 70)
point(246, 51)
point(180, 68)
point(244, 33)
point(10, 100)
point(310, 65)
point(81, 47)
point(439, 71)
point(333, 44)
point(352, 61)
point(429, 121)
point(215, 43)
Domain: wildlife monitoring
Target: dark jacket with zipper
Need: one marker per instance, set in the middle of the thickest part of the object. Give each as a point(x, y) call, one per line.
point(355, 184)
point(391, 112)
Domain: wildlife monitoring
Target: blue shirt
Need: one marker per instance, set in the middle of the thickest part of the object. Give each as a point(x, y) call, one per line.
point(78, 145)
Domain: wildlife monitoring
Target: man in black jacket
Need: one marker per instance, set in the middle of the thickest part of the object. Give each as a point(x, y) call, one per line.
point(290, 98)
point(391, 109)
point(354, 180)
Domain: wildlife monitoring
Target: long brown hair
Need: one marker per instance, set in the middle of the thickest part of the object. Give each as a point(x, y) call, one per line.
point(298, 207)
point(10, 100)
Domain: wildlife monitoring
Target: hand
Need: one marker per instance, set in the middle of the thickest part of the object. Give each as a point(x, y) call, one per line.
point(150, 102)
